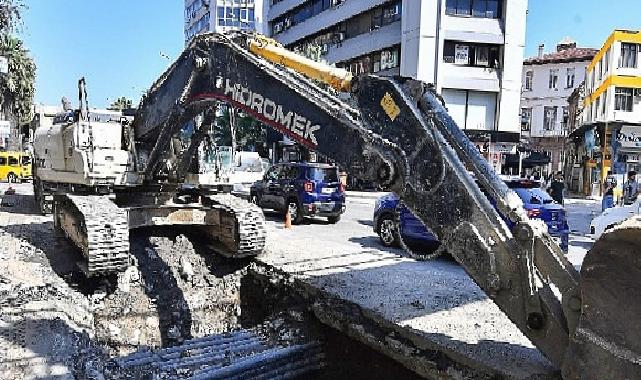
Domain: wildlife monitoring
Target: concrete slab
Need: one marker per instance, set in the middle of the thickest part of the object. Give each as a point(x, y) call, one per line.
point(428, 315)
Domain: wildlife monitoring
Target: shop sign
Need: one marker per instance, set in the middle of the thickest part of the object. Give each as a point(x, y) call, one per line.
point(629, 137)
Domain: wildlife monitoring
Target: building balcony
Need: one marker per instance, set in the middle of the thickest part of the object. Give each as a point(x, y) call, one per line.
point(470, 78)
point(552, 133)
point(323, 20)
point(472, 29)
point(378, 39)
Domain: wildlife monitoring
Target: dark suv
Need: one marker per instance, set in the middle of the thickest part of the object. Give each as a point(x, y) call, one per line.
point(307, 189)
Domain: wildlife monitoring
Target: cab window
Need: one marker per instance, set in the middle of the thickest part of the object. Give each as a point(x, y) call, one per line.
point(13, 161)
point(26, 160)
point(272, 174)
point(3, 161)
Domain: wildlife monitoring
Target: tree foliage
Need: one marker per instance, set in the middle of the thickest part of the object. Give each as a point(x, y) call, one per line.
point(17, 87)
point(10, 15)
point(121, 103)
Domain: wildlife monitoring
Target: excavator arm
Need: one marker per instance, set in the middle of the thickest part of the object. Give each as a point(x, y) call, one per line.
point(396, 131)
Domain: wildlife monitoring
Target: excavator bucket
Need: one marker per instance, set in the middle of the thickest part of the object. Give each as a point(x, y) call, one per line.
point(607, 341)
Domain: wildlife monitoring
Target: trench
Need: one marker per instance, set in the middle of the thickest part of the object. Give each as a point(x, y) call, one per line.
point(178, 293)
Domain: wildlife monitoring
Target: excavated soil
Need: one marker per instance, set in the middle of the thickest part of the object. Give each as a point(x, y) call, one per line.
point(57, 324)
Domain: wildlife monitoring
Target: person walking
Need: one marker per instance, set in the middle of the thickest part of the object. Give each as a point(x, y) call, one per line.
point(608, 191)
point(557, 187)
point(630, 189)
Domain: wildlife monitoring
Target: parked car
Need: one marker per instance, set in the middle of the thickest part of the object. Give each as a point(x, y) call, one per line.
point(411, 229)
point(306, 189)
point(613, 216)
point(536, 202)
point(539, 205)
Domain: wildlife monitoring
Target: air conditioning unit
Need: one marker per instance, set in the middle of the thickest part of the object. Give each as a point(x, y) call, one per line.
point(278, 28)
point(324, 48)
point(637, 92)
point(288, 23)
point(336, 3)
point(340, 37)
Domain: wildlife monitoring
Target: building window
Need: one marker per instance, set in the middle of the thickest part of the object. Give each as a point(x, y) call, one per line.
point(606, 62)
point(389, 59)
point(529, 76)
point(623, 99)
point(605, 102)
point(474, 110)
point(554, 78)
point(469, 54)
point(373, 62)
point(474, 8)
point(236, 16)
point(566, 118)
point(526, 119)
point(549, 118)
point(569, 77)
point(629, 53)
point(597, 108)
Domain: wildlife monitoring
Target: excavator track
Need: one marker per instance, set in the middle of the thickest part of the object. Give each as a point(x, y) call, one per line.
point(242, 228)
point(98, 227)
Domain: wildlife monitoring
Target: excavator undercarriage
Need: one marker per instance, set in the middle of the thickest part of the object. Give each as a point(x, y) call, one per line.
point(397, 132)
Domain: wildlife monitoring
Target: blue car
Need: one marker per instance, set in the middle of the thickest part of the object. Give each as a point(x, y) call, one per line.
point(539, 205)
point(305, 189)
point(412, 230)
point(536, 202)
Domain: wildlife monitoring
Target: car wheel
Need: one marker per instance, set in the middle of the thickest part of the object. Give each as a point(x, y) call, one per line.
point(295, 211)
point(333, 219)
point(12, 178)
point(388, 231)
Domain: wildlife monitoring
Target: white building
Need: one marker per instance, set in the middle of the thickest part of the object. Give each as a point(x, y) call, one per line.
point(472, 50)
point(548, 81)
point(223, 15)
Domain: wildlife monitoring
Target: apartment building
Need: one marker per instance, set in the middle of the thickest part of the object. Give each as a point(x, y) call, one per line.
point(609, 138)
point(472, 50)
point(548, 82)
point(223, 15)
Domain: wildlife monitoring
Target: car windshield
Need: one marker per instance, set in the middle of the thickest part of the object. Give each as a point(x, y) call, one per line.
point(534, 196)
point(323, 174)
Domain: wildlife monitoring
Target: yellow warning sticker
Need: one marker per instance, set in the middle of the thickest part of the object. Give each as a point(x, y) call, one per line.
point(390, 107)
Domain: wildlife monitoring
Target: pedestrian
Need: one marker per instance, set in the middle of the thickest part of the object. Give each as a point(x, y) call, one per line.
point(608, 191)
point(536, 175)
point(557, 187)
point(630, 188)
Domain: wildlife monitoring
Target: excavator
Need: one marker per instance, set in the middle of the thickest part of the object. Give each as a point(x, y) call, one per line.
point(396, 132)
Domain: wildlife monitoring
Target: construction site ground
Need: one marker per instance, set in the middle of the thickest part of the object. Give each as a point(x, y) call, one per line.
point(382, 314)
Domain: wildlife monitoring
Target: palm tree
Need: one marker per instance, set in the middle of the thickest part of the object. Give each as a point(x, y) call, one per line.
point(17, 87)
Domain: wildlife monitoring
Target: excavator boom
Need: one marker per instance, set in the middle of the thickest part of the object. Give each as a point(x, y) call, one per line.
point(400, 135)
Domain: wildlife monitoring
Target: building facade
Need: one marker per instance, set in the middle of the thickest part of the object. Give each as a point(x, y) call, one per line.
point(223, 15)
point(548, 82)
point(609, 138)
point(472, 50)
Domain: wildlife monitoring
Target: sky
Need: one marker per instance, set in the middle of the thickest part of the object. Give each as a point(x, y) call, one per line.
point(121, 46)
point(115, 44)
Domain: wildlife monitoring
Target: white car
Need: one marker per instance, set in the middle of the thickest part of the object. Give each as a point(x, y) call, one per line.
point(613, 216)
